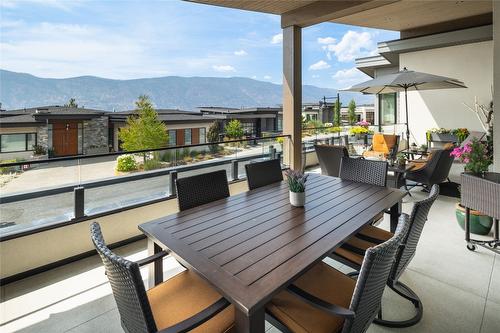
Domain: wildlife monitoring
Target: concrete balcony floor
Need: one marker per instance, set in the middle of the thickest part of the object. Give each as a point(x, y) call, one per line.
point(460, 290)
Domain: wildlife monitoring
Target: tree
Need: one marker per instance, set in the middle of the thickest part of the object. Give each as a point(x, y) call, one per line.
point(143, 130)
point(336, 113)
point(71, 103)
point(351, 113)
point(234, 129)
point(213, 136)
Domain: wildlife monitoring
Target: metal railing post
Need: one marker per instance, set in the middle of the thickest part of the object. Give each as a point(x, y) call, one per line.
point(278, 156)
point(173, 179)
point(272, 152)
point(234, 169)
point(79, 196)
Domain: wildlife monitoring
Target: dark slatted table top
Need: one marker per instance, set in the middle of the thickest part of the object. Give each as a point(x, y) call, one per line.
point(251, 245)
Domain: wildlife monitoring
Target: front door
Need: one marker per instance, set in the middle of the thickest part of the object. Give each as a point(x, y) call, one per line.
point(65, 138)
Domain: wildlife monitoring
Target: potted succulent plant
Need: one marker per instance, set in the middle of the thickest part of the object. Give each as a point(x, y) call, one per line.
point(401, 160)
point(297, 186)
point(475, 156)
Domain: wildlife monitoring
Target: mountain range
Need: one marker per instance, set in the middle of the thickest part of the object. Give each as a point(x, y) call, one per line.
point(21, 90)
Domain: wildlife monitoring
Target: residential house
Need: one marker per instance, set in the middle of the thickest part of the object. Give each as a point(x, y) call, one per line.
point(184, 127)
point(62, 130)
point(255, 120)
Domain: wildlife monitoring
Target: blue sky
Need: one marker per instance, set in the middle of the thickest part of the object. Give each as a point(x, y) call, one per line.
point(136, 39)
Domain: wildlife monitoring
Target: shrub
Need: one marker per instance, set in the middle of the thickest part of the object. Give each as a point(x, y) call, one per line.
point(39, 150)
point(166, 156)
point(126, 163)
point(152, 164)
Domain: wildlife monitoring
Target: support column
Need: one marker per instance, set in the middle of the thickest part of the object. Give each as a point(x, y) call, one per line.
point(292, 94)
point(496, 85)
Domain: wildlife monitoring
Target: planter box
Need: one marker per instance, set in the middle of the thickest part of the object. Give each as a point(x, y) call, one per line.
point(481, 193)
point(445, 137)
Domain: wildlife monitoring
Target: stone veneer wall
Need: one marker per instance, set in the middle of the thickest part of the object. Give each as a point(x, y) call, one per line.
point(43, 137)
point(95, 135)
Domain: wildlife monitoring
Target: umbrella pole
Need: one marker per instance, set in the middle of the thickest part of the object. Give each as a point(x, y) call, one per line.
point(407, 125)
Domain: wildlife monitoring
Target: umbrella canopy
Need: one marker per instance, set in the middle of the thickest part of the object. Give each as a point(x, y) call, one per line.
point(405, 80)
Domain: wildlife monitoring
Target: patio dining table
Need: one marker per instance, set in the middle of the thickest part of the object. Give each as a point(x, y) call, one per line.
point(252, 245)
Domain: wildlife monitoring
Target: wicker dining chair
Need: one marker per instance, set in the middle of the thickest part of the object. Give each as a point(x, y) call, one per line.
point(364, 171)
point(201, 189)
point(183, 303)
point(352, 252)
point(263, 173)
point(326, 300)
point(329, 158)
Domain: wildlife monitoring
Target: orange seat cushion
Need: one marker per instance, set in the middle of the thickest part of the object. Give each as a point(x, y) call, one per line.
point(383, 143)
point(322, 281)
point(375, 232)
point(183, 296)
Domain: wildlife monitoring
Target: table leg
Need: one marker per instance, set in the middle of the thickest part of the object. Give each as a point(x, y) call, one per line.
point(395, 212)
point(254, 323)
point(155, 276)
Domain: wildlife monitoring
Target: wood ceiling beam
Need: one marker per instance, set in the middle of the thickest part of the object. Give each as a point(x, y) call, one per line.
point(324, 11)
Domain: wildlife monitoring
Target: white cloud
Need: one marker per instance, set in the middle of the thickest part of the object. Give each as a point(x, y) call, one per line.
point(345, 78)
point(327, 40)
point(353, 45)
point(224, 68)
point(277, 39)
point(267, 77)
point(315, 76)
point(319, 65)
point(64, 5)
point(254, 77)
point(240, 53)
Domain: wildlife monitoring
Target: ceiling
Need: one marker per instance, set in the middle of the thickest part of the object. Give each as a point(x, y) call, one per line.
point(390, 15)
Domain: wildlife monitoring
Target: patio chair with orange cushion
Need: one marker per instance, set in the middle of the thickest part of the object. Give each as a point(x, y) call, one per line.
point(383, 146)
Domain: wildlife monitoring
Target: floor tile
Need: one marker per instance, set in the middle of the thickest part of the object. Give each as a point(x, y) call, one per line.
point(491, 320)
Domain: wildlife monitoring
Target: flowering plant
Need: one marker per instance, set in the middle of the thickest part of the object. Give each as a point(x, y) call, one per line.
point(359, 130)
point(460, 133)
point(296, 181)
point(475, 156)
point(363, 123)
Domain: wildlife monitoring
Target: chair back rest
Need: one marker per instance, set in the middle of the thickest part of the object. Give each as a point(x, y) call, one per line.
point(438, 168)
point(372, 279)
point(263, 173)
point(329, 157)
point(128, 288)
point(384, 143)
point(418, 218)
point(364, 171)
point(201, 189)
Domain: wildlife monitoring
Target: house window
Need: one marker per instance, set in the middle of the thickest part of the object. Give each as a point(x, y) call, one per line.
point(187, 136)
point(387, 108)
point(172, 138)
point(17, 142)
point(202, 135)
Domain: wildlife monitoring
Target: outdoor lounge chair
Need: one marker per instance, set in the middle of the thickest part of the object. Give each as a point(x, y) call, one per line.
point(364, 171)
point(352, 252)
point(183, 303)
point(326, 300)
point(433, 170)
point(383, 146)
point(329, 157)
point(263, 173)
point(201, 189)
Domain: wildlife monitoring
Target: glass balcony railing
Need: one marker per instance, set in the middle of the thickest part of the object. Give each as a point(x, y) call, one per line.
point(41, 194)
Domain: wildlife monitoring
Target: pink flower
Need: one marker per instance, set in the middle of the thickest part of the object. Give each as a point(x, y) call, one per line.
point(457, 152)
point(467, 148)
point(466, 160)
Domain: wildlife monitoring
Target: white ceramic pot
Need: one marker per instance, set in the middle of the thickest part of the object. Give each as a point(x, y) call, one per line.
point(297, 199)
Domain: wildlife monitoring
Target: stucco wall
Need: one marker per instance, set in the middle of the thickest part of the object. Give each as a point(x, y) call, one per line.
point(52, 245)
point(470, 63)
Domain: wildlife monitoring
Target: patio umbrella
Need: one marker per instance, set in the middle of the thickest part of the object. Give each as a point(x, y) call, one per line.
point(403, 81)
